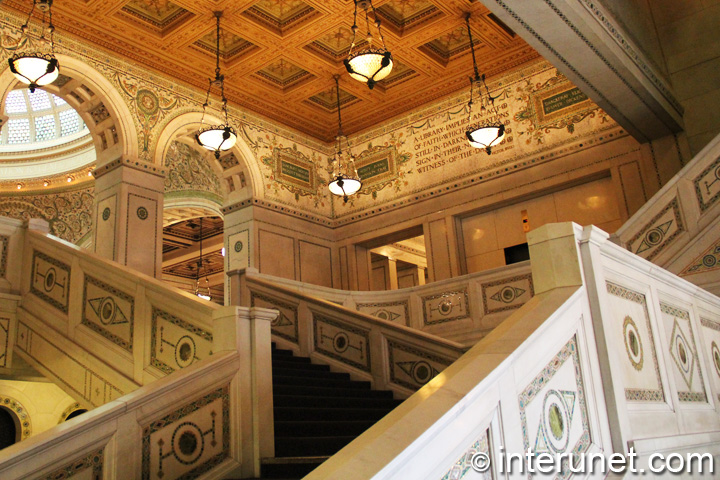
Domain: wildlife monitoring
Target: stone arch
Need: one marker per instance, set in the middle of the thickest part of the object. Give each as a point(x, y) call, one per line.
point(184, 126)
point(23, 425)
point(98, 102)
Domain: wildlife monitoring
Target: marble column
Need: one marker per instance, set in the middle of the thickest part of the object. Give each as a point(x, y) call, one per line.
point(128, 214)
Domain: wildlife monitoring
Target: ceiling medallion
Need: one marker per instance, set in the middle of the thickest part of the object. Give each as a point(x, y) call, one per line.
point(345, 179)
point(371, 63)
point(217, 138)
point(36, 68)
point(490, 131)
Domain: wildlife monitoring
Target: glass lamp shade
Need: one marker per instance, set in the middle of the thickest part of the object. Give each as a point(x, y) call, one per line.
point(217, 138)
point(203, 296)
point(35, 69)
point(343, 185)
point(370, 65)
point(486, 136)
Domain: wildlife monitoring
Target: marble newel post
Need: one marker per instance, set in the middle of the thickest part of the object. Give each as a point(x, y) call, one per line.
point(239, 236)
point(128, 214)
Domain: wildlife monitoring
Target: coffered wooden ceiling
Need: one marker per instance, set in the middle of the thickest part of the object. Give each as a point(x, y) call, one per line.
point(279, 56)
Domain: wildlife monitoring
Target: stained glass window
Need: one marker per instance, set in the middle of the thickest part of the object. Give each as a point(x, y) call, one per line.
point(69, 122)
point(45, 128)
point(18, 130)
point(39, 99)
point(15, 102)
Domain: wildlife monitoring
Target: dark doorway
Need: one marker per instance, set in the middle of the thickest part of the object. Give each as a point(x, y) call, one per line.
point(75, 413)
point(8, 428)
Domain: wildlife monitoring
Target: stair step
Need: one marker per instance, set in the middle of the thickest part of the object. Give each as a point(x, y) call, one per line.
point(321, 428)
point(299, 365)
point(291, 359)
point(307, 446)
point(319, 382)
point(333, 402)
point(283, 352)
point(297, 372)
point(319, 414)
point(330, 391)
point(289, 467)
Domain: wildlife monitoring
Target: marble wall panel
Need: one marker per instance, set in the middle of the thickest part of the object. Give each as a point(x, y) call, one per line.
point(109, 312)
point(507, 294)
point(686, 368)
point(284, 325)
point(446, 306)
point(176, 343)
point(50, 280)
point(412, 367)
point(342, 341)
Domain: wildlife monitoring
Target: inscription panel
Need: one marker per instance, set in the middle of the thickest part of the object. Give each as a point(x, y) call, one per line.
point(175, 343)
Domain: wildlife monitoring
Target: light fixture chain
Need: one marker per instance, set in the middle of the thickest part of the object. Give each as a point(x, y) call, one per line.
point(377, 25)
point(217, 46)
point(354, 30)
point(337, 93)
point(472, 47)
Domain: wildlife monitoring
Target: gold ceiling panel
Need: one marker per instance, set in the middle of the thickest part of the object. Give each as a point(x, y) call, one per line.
point(279, 56)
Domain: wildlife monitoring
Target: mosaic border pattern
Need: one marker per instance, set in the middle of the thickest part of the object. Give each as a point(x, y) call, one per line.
point(402, 303)
point(148, 430)
point(5, 240)
point(485, 286)
point(569, 350)
point(392, 345)
point(685, 315)
point(675, 206)
point(365, 334)
point(636, 394)
point(279, 303)
point(94, 461)
point(21, 412)
point(463, 464)
point(5, 326)
point(156, 312)
point(698, 193)
point(42, 295)
point(122, 343)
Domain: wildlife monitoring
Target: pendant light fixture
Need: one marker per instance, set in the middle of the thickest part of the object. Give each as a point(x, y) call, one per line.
point(217, 138)
point(345, 179)
point(36, 68)
point(206, 295)
point(371, 63)
point(490, 131)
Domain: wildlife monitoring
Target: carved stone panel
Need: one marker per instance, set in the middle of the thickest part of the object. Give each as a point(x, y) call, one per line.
point(175, 343)
point(50, 280)
point(707, 185)
point(109, 312)
point(411, 367)
point(396, 312)
point(711, 346)
point(632, 334)
point(683, 353)
point(464, 464)
point(285, 325)
point(189, 441)
point(89, 466)
point(659, 232)
point(553, 407)
point(446, 307)
point(507, 294)
point(341, 341)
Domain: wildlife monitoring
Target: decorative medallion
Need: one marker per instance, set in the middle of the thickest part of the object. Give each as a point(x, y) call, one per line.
point(684, 353)
point(658, 232)
point(681, 353)
point(142, 213)
point(106, 213)
point(238, 246)
point(50, 280)
point(707, 186)
point(411, 367)
point(507, 293)
point(445, 307)
point(708, 261)
point(633, 345)
point(716, 357)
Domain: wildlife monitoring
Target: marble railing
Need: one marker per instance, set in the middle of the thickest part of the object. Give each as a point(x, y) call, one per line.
point(462, 309)
point(198, 422)
point(392, 356)
point(612, 352)
point(677, 228)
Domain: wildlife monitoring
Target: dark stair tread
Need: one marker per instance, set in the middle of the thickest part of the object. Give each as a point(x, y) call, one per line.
point(319, 382)
point(299, 372)
point(290, 467)
point(304, 413)
point(320, 428)
point(294, 446)
point(330, 391)
point(333, 402)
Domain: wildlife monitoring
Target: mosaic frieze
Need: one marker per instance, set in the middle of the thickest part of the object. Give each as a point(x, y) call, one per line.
point(707, 261)
point(68, 213)
point(412, 368)
point(507, 294)
point(284, 325)
point(711, 335)
point(683, 351)
point(289, 169)
point(631, 331)
point(88, 466)
point(446, 307)
point(464, 465)
point(707, 186)
point(187, 169)
point(553, 408)
point(383, 166)
point(342, 341)
point(4, 242)
point(109, 312)
point(659, 232)
point(21, 413)
point(50, 280)
point(190, 441)
point(4, 341)
point(176, 343)
point(397, 312)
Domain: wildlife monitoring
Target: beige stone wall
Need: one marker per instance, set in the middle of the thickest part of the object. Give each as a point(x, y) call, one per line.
point(688, 33)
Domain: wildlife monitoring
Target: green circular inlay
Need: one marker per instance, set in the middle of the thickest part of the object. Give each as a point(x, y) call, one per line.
point(187, 443)
point(142, 213)
point(557, 426)
point(238, 246)
point(682, 353)
point(634, 347)
point(106, 213)
point(185, 351)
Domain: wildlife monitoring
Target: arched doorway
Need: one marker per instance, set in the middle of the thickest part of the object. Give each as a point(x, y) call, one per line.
point(9, 428)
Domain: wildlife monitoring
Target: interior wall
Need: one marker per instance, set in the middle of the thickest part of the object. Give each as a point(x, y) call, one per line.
point(691, 47)
point(484, 236)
